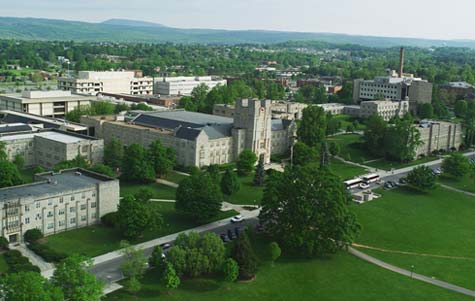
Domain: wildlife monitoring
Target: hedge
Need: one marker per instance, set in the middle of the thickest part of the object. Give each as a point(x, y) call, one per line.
point(45, 252)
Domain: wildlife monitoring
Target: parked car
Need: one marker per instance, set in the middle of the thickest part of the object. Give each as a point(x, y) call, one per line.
point(224, 237)
point(165, 246)
point(364, 186)
point(388, 185)
point(231, 234)
point(237, 219)
point(437, 171)
point(238, 231)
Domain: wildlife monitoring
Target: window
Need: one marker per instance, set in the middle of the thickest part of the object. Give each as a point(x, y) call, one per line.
point(50, 202)
point(61, 212)
point(93, 205)
point(72, 220)
point(38, 204)
point(61, 223)
point(72, 198)
point(83, 207)
point(83, 218)
point(27, 208)
point(27, 220)
point(83, 196)
point(72, 209)
point(50, 214)
point(50, 226)
point(94, 215)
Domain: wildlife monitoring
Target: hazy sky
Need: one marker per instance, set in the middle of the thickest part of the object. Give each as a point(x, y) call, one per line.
point(442, 19)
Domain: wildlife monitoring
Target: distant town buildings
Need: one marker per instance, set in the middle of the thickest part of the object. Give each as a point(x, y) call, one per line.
point(48, 147)
point(44, 103)
point(386, 109)
point(332, 84)
point(93, 82)
point(439, 135)
point(184, 85)
point(56, 202)
point(202, 139)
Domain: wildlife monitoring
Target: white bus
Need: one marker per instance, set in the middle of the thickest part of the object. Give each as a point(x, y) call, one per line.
point(355, 183)
point(371, 178)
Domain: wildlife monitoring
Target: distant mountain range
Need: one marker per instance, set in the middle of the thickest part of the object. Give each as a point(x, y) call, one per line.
point(120, 30)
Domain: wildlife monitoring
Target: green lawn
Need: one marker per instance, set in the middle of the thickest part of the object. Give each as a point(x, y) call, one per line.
point(27, 174)
point(439, 222)
point(342, 277)
point(96, 240)
point(346, 120)
point(3, 265)
point(248, 194)
point(346, 171)
point(159, 191)
point(465, 183)
point(352, 149)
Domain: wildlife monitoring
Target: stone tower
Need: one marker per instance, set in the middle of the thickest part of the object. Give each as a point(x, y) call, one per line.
point(253, 127)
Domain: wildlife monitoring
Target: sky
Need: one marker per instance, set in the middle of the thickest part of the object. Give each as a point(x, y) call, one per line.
point(438, 19)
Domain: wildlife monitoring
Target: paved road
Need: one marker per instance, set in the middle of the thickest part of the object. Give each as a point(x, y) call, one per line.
point(107, 267)
point(407, 273)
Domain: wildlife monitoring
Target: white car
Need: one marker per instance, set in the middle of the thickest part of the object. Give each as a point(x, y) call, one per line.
point(364, 186)
point(237, 219)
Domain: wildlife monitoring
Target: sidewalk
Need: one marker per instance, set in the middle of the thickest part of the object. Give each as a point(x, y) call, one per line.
point(34, 259)
point(167, 183)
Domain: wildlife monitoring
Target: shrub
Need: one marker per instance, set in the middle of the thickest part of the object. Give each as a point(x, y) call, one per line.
point(33, 235)
point(45, 252)
point(3, 243)
point(110, 219)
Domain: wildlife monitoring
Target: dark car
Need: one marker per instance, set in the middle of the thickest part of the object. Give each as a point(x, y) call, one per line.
point(224, 237)
point(231, 234)
point(238, 231)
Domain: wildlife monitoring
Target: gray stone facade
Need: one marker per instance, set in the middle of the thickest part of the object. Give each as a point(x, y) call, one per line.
point(57, 202)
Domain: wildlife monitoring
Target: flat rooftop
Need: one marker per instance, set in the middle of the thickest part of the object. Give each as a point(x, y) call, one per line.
point(7, 116)
point(46, 96)
point(54, 184)
point(62, 137)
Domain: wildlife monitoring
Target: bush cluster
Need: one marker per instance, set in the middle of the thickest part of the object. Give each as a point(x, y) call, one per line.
point(18, 263)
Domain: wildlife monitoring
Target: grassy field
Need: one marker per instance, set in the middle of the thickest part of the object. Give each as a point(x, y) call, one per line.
point(96, 240)
point(248, 194)
point(352, 149)
point(465, 183)
point(159, 191)
point(342, 277)
point(346, 120)
point(346, 171)
point(439, 222)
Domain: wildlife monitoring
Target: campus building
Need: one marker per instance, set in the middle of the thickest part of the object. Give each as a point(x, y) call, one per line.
point(202, 139)
point(94, 82)
point(280, 110)
point(56, 202)
point(439, 135)
point(35, 121)
point(44, 103)
point(393, 87)
point(48, 147)
point(184, 85)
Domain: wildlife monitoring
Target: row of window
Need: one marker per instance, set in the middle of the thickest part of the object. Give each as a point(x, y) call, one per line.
point(61, 200)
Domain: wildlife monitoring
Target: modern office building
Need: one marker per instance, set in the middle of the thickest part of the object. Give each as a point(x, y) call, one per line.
point(35, 121)
point(44, 103)
point(439, 135)
point(94, 82)
point(56, 202)
point(386, 109)
point(202, 139)
point(48, 147)
point(184, 85)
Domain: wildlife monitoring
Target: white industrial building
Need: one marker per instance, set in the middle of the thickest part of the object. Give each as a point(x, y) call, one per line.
point(94, 82)
point(184, 85)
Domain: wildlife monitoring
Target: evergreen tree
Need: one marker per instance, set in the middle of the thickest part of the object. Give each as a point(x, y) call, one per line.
point(114, 154)
point(244, 254)
point(229, 182)
point(312, 128)
point(259, 177)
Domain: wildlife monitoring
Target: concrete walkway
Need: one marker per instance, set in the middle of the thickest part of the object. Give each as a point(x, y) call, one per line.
point(371, 169)
point(457, 190)
point(167, 183)
point(407, 273)
point(34, 259)
point(163, 201)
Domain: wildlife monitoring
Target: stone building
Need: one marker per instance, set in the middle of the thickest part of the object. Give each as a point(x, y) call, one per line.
point(48, 147)
point(56, 202)
point(439, 135)
point(201, 139)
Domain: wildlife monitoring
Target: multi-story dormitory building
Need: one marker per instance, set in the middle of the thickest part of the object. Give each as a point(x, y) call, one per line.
point(56, 202)
point(48, 147)
point(202, 139)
